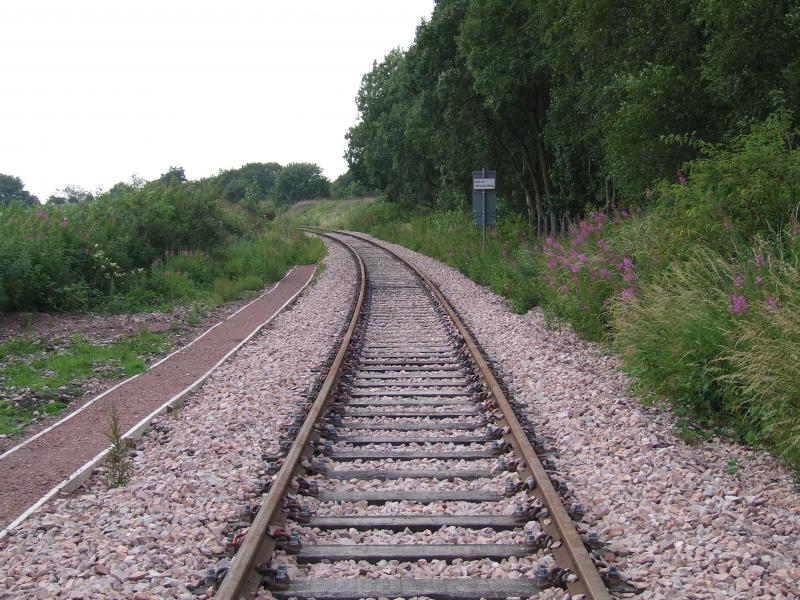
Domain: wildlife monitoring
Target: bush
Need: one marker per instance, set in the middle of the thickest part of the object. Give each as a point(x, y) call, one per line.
point(747, 186)
point(140, 247)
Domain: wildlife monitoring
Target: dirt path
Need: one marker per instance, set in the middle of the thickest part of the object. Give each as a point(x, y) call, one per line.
point(32, 470)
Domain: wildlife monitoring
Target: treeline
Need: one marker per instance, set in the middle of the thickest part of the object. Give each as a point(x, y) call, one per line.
point(249, 184)
point(574, 103)
point(144, 245)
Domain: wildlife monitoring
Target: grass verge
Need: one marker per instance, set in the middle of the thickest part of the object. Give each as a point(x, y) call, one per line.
point(39, 380)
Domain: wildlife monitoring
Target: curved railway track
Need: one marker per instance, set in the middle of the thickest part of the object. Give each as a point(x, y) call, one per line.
point(407, 430)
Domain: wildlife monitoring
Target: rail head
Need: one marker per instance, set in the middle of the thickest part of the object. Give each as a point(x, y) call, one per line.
point(242, 579)
point(572, 551)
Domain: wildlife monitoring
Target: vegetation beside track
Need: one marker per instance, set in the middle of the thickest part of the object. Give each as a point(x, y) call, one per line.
point(648, 179)
point(147, 246)
point(702, 311)
point(139, 247)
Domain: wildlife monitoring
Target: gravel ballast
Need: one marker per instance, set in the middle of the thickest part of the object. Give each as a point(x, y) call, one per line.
point(675, 519)
point(191, 474)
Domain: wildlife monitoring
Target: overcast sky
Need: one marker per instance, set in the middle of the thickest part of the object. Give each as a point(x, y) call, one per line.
point(92, 92)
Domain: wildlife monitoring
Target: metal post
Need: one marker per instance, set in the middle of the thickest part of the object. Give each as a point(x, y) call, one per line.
point(484, 215)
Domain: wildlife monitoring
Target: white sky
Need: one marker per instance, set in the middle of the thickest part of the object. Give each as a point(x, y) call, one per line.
point(93, 91)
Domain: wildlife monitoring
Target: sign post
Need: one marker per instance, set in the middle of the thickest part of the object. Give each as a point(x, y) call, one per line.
point(484, 201)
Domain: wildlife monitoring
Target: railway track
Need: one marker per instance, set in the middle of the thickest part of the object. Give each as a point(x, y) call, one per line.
point(408, 457)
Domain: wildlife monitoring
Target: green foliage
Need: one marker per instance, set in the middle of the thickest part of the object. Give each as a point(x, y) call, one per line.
point(508, 268)
point(13, 190)
point(749, 185)
point(138, 246)
point(672, 333)
point(763, 362)
point(300, 181)
point(37, 369)
point(55, 375)
point(260, 176)
point(346, 187)
point(71, 194)
point(574, 103)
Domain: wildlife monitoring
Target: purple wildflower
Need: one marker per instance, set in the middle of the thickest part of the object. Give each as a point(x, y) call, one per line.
point(605, 273)
point(581, 258)
point(629, 277)
point(738, 281)
point(760, 261)
point(738, 306)
point(552, 264)
point(626, 264)
point(627, 293)
point(603, 245)
point(682, 179)
point(576, 268)
point(551, 243)
point(772, 303)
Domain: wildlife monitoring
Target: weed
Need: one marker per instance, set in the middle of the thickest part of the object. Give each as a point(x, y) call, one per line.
point(119, 465)
point(53, 376)
point(196, 314)
point(733, 466)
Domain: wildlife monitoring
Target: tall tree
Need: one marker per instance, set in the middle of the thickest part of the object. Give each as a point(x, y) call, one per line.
point(300, 181)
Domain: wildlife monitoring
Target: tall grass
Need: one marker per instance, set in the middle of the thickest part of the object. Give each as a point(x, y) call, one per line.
point(765, 363)
point(672, 333)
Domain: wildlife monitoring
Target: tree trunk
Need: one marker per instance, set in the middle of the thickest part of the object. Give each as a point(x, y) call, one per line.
point(541, 222)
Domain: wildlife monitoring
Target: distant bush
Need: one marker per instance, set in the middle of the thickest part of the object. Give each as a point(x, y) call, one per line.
point(142, 246)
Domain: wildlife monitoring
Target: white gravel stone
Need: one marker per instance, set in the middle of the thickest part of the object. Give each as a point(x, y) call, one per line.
point(191, 474)
point(675, 520)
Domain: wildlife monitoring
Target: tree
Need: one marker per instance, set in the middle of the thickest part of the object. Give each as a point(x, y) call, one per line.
point(300, 181)
point(71, 194)
point(13, 190)
point(174, 176)
point(235, 181)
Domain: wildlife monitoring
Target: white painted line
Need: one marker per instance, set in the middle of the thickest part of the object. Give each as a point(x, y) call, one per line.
point(84, 473)
point(129, 379)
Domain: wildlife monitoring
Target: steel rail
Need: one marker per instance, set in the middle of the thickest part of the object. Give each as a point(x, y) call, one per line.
point(572, 553)
point(242, 579)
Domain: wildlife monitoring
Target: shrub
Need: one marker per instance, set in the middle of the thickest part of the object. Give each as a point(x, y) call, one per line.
point(747, 186)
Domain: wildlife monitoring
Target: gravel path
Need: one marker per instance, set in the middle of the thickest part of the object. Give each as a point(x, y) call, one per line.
point(191, 475)
point(675, 520)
